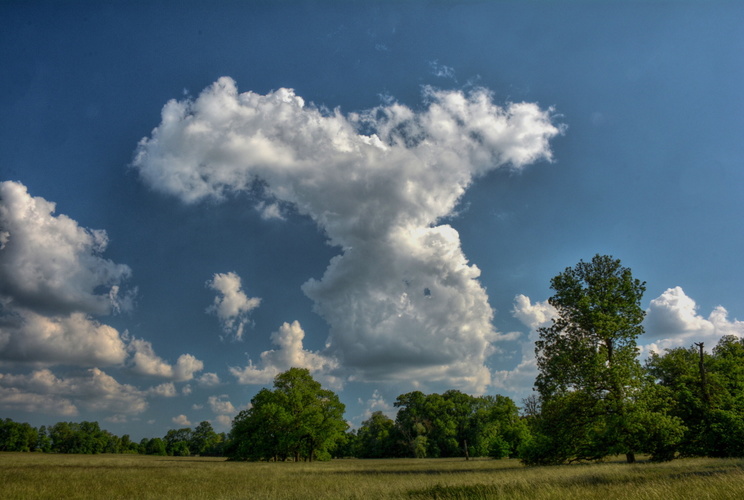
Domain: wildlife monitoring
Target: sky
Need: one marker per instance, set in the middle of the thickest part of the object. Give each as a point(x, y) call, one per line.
point(195, 197)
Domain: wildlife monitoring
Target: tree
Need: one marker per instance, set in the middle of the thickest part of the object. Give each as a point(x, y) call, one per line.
point(593, 394)
point(177, 441)
point(204, 440)
point(297, 419)
point(709, 393)
point(378, 438)
point(455, 424)
point(155, 446)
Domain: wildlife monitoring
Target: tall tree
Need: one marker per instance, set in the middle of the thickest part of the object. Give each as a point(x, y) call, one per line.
point(590, 382)
point(298, 418)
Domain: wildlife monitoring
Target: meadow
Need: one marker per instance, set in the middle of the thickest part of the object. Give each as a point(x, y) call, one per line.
point(36, 475)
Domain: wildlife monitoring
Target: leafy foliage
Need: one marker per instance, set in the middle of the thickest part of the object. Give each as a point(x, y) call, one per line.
point(594, 396)
point(709, 391)
point(298, 419)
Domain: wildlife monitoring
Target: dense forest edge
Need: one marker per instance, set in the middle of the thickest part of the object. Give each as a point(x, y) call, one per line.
point(593, 399)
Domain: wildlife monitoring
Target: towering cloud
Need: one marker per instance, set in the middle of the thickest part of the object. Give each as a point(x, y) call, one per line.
point(402, 298)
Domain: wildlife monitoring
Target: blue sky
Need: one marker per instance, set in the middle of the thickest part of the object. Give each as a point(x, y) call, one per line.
point(199, 196)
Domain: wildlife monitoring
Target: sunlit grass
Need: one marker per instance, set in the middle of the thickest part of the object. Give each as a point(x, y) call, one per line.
point(30, 476)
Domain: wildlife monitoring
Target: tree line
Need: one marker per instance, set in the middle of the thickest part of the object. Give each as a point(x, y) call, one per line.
point(593, 398)
point(88, 438)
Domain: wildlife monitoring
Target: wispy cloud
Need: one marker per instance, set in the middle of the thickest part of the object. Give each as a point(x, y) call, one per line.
point(442, 71)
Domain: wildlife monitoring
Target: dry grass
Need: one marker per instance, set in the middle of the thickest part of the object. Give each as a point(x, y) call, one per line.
point(31, 476)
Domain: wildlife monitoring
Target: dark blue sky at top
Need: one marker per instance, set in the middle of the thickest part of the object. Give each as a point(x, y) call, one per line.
point(649, 169)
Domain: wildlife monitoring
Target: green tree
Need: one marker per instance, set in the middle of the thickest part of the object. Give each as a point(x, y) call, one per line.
point(455, 424)
point(708, 390)
point(17, 436)
point(155, 446)
point(177, 441)
point(297, 419)
point(595, 400)
point(378, 438)
point(204, 439)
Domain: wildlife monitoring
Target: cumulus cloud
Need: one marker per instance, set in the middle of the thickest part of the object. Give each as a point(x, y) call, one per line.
point(209, 379)
point(144, 361)
point(12, 399)
point(401, 299)
point(231, 305)
point(166, 390)
point(289, 353)
point(51, 265)
point(181, 420)
point(54, 281)
point(672, 320)
point(220, 405)
point(94, 390)
point(73, 338)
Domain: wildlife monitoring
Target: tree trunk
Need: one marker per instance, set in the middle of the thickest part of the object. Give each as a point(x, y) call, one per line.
point(630, 457)
point(467, 453)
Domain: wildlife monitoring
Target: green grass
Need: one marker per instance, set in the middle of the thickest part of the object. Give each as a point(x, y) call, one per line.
point(31, 476)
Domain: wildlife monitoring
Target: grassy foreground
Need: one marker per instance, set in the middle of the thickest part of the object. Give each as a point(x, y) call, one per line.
point(30, 475)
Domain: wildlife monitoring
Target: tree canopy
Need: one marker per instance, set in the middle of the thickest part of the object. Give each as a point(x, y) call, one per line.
point(595, 400)
point(297, 419)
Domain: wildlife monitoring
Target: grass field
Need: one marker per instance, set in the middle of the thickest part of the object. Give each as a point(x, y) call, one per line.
point(30, 476)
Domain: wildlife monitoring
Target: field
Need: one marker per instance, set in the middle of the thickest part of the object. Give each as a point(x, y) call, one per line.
point(30, 476)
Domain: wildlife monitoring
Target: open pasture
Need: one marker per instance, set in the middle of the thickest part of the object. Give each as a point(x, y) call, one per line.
point(34, 476)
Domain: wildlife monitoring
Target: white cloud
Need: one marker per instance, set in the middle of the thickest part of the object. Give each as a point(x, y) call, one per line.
point(165, 390)
point(209, 380)
point(94, 391)
point(53, 280)
point(48, 263)
point(289, 353)
point(13, 399)
point(144, 361)
point(220, 405)
point(186, 366)
point(402, 300)
point(672, 320)
point(232, 305)
point(181, 420)
point(73, 338)
point(534, 316)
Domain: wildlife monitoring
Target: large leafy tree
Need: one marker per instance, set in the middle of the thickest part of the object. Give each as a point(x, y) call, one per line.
point(297, 419)
point(595, 400)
